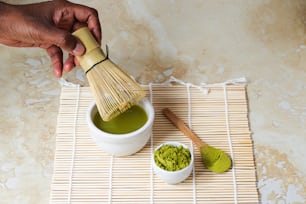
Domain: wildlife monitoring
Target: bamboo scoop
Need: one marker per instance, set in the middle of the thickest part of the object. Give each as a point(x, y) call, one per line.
point(214, 159)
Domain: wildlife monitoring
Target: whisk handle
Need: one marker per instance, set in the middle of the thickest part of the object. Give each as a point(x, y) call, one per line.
point(183, 127)
point(93, 54)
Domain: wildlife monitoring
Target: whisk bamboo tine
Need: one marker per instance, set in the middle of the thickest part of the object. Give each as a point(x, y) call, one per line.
point(113, 89)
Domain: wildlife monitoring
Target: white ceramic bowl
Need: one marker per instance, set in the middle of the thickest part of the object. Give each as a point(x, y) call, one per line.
point(173, 177)
point(122, 144)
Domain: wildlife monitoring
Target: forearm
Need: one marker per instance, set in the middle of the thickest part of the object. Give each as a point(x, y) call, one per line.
point(17, 23)
point(9, 15)
point(3, 8)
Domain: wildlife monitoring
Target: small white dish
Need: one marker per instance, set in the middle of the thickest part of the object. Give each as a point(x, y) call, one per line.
point(122, 144)
point(173, 177)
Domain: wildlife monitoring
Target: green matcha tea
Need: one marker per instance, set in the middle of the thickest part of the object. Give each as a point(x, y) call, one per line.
point(129, 121)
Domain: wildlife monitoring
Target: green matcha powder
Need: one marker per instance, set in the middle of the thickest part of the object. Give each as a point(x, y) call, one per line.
point(172, 158)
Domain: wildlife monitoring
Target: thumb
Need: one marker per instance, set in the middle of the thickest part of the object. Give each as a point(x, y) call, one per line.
point(66, 41)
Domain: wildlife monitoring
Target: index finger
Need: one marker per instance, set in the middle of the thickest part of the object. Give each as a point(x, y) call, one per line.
point(89, 16)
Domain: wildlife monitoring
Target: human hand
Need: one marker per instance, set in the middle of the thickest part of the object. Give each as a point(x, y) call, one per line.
point(48, 25)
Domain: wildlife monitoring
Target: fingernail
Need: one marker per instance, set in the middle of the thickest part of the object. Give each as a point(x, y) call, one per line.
point(79, 49)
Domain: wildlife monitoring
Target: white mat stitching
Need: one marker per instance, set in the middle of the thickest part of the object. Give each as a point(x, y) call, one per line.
point(74, 143)
point(230, 142)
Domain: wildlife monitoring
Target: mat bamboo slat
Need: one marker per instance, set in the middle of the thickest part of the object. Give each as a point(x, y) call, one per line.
point(85, 174)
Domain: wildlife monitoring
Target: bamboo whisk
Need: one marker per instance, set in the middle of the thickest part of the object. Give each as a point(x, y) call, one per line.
point(114, 91)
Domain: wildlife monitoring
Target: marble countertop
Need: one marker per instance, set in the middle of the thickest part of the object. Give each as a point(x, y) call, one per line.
point(196, 41)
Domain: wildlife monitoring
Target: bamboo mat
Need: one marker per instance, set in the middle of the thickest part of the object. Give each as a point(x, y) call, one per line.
point(85, 174)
